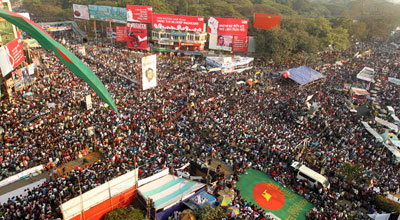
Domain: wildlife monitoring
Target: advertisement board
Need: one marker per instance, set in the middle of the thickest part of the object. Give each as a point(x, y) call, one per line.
point(81, 11)
point(11, 55)
point(136, 35)
point(178, 22)
point(266, 21)
point(220, 42)
point(107, 13)
point(149, 72)
point(139, 13)
point(227, 26)
point(121, 33)
point(240, 43)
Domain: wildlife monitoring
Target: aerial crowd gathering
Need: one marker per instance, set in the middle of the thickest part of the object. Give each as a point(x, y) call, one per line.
point(195, 116)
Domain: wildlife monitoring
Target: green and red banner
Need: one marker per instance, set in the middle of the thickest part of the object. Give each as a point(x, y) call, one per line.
point(257, 188)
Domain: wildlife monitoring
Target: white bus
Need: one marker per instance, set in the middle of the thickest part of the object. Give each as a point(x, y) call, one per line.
point(314, 179)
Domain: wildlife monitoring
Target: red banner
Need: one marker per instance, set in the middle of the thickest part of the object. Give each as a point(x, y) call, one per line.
point(121, 33)
point(227, 26)
point(136, 35)
point(240, 44)
point(266, 21)
point(139, 13)
point(15, 52)
point(178, 22)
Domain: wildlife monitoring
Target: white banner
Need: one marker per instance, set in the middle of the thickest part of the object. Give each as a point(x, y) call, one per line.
point(81, 11)
point(22, 175)
point(149, 72)
point(88, 102)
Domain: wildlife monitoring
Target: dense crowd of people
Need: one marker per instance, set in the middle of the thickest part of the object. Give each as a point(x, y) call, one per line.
point(192, 116)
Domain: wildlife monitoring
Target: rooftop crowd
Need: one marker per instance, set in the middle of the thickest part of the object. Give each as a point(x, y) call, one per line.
point(245, 126)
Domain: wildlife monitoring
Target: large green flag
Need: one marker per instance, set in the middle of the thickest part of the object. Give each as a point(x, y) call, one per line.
point(68, 58)
point(258, 189)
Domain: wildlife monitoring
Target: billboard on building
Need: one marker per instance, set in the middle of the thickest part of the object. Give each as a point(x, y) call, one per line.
point(220, 42)
point(81, 11)
point(178, 22)
point(121, 33)
point(107, 13)
point(227, 26)
point(266, 21)
point(139, 13)
point(11, 55)
point(240, 43)
point(149, 72)
point(136, 35)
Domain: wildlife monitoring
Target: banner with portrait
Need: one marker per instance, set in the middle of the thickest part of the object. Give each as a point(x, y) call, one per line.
point(220, 42)
point(136, 36)
point(149, 72)
point(81, 11)
point(18, 79)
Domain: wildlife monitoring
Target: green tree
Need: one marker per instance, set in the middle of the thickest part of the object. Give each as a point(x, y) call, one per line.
point(207, 212)
point(351, 172)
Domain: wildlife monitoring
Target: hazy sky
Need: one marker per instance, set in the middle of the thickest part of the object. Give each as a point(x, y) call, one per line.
point(394, 1)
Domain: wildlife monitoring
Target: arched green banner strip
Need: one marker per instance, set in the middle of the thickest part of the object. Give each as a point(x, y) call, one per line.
point(68, 58)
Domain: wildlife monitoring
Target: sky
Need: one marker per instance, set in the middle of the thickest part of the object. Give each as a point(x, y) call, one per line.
point(394, 1)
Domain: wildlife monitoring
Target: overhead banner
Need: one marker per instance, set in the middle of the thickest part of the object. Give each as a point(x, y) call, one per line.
point(266, 21)
point(81, 11)
point(121, 33)
point(178, 22)
point(107, 13)
point(149, 72)
point(136, 35)
point(220, 42)
point(11, 55)
point(240, 43)
point(139, 13)
point(227, 26)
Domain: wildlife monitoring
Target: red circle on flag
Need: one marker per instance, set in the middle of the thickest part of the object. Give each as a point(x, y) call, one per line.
point(268, 196)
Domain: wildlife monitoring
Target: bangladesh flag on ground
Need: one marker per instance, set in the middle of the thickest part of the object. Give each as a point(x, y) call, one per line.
point(257, 188)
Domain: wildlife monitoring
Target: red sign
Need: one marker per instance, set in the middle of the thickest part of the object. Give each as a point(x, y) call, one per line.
point(121, 33)
point(136, 35)
point(228, 26)
point(266, 21)
point(178, 22)
point(240, 43)
point(15, 52)
point(139, 13)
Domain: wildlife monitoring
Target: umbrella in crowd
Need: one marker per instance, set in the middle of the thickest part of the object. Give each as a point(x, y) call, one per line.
point(187, 215)
point(224, 201)
point(232, 211)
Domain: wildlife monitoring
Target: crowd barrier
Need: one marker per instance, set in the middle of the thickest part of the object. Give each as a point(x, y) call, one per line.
point(96, 203)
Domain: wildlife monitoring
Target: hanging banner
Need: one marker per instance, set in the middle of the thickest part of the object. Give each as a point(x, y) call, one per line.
point(25, 75)
point(109, 32)
point(88, 102)
point(81, 11)
point(240, 43)
point(149, 72)
point(266, 21)
point(139, 13)
point(11, 55)
point(178, 22)
point(227, 26)
point(136, 36)
point(220, 42)
point(18, 79)
point(106, 13)
point(121, 33)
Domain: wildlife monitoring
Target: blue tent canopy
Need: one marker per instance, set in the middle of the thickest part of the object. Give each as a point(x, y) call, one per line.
point(303, 75)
